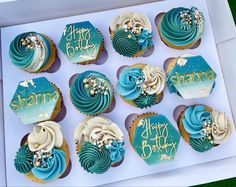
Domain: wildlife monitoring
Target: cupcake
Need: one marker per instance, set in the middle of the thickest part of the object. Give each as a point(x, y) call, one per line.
point(32, 52)
point(36, 100)
point(181, 28)
point(153, 137)
point(131, 34)
point(141, 85)
point(99, 144)
point(81, 43)
point(202, 127)
point(91, 93)
point(189, 76)
point(44, 156)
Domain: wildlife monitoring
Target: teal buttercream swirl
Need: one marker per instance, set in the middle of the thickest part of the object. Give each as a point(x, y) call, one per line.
point(91, 93)
point(24, 159)
point(194, 119)
point(30, 54)
point(116, 150)
point(144, 101)
point(182, 26)
point(145, 39)
point(201, 145)
point(51, 167)
point(125, 43)
point(129, 83)
point(94, 159)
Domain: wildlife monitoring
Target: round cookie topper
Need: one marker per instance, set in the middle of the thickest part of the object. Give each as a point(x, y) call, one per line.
point(154, 138)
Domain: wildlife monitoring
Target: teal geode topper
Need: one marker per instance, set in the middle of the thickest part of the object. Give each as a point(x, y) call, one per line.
point(155, 139)
point(34, 100)
point(191, 77)
point(81, 42)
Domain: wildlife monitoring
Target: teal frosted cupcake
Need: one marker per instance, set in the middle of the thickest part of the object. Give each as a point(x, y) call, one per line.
point(181, 28)
point(44, 156)
point(202, 127)
point(32, 52)
point(141, 85)
point(99, 144)
point(131, 34)
point(91, 93)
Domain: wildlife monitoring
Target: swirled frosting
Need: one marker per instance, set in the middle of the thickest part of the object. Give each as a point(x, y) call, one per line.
point(132, 20)
point(24, 159)
point(93, 159)
point(45, 136)
point(97, 130)
point(201, 145)
point(129, 83)
point(116, 150)
point(50, 167)
point(91, 93)
point(182, 26)
point(154, 79)
point(30, 51)
point(194, 119)
point(222, 127)
point(125, 43)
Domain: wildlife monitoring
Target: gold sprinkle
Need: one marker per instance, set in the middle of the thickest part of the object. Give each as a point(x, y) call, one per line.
point(129, 36)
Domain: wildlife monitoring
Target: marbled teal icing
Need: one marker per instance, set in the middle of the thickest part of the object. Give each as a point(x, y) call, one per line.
point(51, 167)
point(125, 43)
point(155, 139)
point(116, 150)
point(194, 119)
point(24, 159)
point(191, 77)
point(129, 83)
point(201, 145)
point(179, 30)
point(30, 59)
point(34, 100)
point(93, 159)
point(81, 96)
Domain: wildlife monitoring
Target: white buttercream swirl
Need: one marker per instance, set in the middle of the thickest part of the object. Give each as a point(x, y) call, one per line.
point(135, 19)
point(222, 127)
point(97, 129)
point(45, 136)
point(154, 82)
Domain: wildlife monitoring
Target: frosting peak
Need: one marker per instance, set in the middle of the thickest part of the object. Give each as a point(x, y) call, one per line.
point(222, 127)
point(97, 130)
point(45, 136)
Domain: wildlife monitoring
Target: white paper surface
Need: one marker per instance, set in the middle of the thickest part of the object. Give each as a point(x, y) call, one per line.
point(132, 166)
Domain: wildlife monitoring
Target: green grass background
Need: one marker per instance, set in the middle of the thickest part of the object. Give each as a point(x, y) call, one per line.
point(229, 182)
